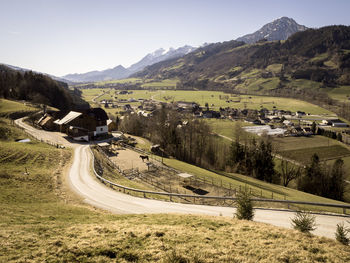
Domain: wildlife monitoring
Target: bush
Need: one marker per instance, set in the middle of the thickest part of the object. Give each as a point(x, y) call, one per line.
point(304, 222)
point(341, 234)
point(244, 206)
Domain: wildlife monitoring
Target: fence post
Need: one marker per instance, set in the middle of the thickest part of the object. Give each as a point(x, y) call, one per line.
point(144, 195)
point(261, 193)
point(271, 195)
point(344, 210)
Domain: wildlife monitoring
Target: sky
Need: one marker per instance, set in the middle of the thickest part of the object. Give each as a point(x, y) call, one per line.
point(76, 36)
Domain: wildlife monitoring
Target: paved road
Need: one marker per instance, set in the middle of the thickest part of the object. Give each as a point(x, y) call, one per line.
point(99, 195)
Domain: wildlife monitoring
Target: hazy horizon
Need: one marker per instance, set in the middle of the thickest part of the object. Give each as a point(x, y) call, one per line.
point(64, 37)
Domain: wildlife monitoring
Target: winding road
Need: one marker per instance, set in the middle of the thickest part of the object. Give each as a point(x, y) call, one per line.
point(97, 194)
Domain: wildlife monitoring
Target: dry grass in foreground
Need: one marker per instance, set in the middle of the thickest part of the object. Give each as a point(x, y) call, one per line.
point(167, 238)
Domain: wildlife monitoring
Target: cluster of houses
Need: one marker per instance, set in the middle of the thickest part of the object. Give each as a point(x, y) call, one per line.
point(83, 125)
point(89, 124)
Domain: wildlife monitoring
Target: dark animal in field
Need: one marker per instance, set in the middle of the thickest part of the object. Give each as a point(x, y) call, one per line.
point(143, 157)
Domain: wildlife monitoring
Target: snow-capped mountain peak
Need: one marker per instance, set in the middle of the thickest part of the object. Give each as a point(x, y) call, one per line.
point(279, 29)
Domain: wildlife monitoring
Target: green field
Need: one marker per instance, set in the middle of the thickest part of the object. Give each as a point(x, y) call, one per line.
point(226, 127)
point(213, 98)
point(241, 101)
point(341, 93)
point(167, 83)
point(324, 152)
point(7, 107)
point(298, 143)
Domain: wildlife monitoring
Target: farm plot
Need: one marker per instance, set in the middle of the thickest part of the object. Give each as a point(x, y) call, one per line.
point(324, 152)
point(298, 143)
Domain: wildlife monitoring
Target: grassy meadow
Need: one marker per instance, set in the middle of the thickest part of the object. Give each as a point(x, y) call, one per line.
point(215, 99)
point(8, 107)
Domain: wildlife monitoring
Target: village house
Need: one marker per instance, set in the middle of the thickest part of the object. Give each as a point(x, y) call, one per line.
point(210, 114)
point(288, 123)
point(297, 131)
point(307, 131)
point(186, 106)
point(335, 123)
point(299, 114)
point(84, 125)
point(46, 122)
point(112, 125)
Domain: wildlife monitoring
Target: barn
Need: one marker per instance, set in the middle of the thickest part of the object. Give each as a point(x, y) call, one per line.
point(84, 125)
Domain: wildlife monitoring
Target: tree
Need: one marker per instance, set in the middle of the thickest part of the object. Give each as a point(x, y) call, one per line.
point(337, 185)
point(341, 234)
point(304, 222)
point(313, 128)
point(312, 181)
point(244, 205)
point(289, 173)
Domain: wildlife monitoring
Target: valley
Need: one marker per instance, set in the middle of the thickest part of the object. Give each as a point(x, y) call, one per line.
point(233, 146)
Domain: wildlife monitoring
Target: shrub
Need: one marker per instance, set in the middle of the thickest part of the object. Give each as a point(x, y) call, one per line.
point(341, 234)
point(244, 206)
point(304, 222)
point(175, 257)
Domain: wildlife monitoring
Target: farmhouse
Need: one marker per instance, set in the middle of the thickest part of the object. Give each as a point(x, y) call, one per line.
point(84, 125)
point(337, 123)
point(46, 122)
point(112, 125)
point(186, 105)
point(300, 114)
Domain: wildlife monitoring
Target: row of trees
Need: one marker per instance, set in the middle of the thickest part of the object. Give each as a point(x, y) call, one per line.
point(324, 180)
point(191, 140)
point(330, 134)
point(254, 158)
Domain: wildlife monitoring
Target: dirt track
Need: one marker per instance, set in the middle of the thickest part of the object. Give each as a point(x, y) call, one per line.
point(128, 159)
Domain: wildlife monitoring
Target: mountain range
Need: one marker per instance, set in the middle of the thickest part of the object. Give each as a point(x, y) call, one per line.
point(119, 72)
point(279, 29)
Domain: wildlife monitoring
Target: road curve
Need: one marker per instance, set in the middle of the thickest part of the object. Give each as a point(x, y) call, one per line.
point(101, 196)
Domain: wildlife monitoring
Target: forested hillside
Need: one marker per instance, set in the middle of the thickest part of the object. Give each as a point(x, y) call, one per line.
point(37, 88)
point(321, 55)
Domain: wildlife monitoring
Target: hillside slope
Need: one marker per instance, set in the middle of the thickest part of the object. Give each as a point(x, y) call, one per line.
point(318, 55)
point(38, 88)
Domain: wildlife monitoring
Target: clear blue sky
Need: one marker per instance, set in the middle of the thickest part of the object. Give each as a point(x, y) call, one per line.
point(68, 36)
